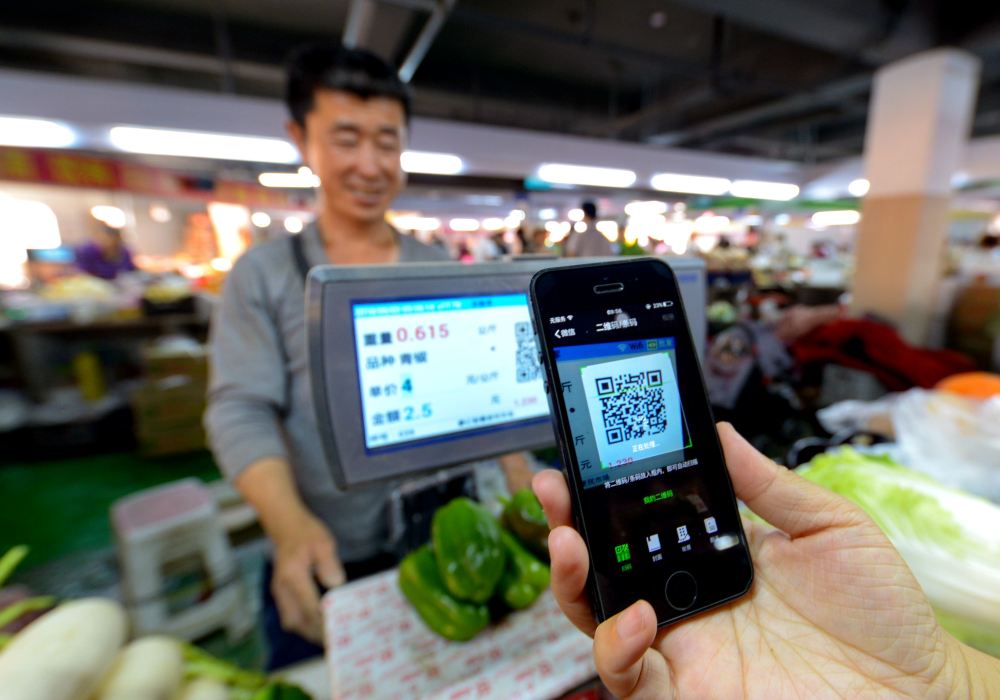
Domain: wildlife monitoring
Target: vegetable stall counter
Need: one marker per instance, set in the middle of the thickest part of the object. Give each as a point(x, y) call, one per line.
point(378, 647)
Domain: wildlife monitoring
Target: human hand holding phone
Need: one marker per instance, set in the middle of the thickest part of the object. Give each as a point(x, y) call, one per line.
point(834, 610)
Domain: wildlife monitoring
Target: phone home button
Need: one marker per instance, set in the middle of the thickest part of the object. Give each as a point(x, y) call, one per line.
point(681, 590)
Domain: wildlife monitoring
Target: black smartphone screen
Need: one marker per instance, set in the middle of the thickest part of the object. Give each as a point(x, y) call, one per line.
point(652, 496)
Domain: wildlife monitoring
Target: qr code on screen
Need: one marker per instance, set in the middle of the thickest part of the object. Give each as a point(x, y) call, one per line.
point(632, 405)
point(527, 368)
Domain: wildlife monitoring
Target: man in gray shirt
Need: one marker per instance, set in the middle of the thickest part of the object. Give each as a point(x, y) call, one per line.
point(349, 116)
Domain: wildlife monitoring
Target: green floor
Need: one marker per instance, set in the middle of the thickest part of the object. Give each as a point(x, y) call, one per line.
point(60, 508)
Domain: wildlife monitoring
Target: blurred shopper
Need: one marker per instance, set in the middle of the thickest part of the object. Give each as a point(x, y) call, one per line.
point(349, 114)
point(588, 243)
point(105, 255)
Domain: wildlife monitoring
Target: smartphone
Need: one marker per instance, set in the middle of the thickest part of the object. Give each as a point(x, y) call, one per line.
point(648, 481)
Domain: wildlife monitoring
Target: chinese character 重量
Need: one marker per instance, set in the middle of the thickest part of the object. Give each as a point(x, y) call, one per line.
point(420, 357)
point(392, 416)
point(376, 391)
point(369, 339)
point(386, 338)
point(372, 363)
point(388, 360)
point(406, 359)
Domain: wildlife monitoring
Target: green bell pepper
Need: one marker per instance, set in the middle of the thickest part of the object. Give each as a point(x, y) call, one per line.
point(421, 583)
point(525, 577)
point(523, 515)
point(468, 549)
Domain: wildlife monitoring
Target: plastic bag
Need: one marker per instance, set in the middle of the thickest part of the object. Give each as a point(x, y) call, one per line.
point(951, 438)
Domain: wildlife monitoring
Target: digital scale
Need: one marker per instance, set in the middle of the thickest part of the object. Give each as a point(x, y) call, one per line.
point(416, 367)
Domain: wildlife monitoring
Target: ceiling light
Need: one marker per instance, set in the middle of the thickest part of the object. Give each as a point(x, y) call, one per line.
point(558, 230)
point(288, 180)
point(202, 144)
point(651, 208)
point(708, 224)
point(413, 222)
point(517, 214)
point(160, 213)
point(431, 163)
point(580, 226)
point(689, 184)
point(575, 215)
point(585, 175)
point(464, 225)
point(512, 222)
point(846, 217)
point(293, 224)
point(547, 214)
point(759, 189)
point(859, 187)
point(111, 216)
point(260, 219)
point(35, 133)
point(494, 224)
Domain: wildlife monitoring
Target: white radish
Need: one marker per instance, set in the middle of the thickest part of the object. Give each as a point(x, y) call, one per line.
point(204, 689)
point(64, 654)
point(150, 668)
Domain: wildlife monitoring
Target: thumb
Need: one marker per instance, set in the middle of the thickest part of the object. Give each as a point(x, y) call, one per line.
point(624, 660)
point(781, 497)
point(327, 566)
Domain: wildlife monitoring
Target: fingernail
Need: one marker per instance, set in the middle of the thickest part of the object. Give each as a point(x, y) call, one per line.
point(629, 623)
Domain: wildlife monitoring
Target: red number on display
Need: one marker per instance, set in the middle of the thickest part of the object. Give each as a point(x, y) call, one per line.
point(401, 335)
point(422, 333)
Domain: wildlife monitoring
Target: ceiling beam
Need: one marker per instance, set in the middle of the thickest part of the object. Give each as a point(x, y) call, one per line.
point(423, 43)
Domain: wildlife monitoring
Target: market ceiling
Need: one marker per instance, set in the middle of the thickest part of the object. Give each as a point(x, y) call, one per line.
point(784, 79)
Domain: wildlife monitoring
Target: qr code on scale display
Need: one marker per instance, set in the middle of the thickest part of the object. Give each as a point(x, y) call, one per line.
point(527, 367)
point(632, 405)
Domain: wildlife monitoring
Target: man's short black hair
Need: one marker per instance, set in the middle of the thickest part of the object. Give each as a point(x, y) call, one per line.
point(589, 210)
point(331, 66)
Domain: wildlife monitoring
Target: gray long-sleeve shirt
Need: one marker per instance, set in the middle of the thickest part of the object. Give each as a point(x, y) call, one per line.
point(260, 399)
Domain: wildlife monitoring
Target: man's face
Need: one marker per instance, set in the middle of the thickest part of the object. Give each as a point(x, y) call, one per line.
point(353, 145)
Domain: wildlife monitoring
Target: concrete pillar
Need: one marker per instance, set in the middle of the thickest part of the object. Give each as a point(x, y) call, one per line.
point(918, 124)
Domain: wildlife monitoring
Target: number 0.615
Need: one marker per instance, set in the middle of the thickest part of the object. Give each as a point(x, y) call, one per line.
point(422, 332)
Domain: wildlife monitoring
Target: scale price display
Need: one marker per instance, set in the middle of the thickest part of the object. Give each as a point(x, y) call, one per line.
point(435, 367)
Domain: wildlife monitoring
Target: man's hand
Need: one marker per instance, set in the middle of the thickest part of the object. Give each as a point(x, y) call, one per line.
point(304, 552)
point(834, 611)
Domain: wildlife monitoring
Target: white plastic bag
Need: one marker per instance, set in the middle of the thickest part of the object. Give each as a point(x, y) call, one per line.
point(953, 439)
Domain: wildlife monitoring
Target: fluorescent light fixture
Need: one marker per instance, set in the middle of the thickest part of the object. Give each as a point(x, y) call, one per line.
point(29, 225)
point(689, 184)
point(575, 215)
point(111, 216)
point(299, 179)
point(293, 224)
point(651, 208)
point(35, 133)
point(201, 144)
point(494, 224)
point(464, 225)
point(431, 163)
point(608, 229)
point(782, 220)
point(413, 222)
point(260, 219)
point(547, 214)
point(585, 175)
point(759, 189)
point(580, 226)
point(859, 187)
point(708, 224)
point(845, 217)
